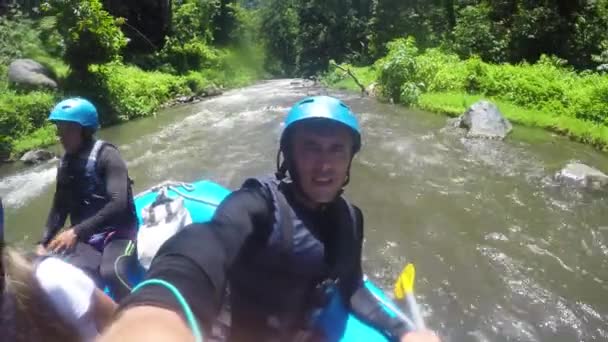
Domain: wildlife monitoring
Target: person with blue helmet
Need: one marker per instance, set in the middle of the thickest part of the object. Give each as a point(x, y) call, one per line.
point(285, 245)
point(94, 190)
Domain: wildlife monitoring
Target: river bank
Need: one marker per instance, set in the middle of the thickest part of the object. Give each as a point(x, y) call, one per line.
point(132, 93)
point(48, 55)
point(546, 94)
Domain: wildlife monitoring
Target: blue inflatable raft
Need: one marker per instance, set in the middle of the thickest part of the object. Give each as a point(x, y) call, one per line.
point(201, 198)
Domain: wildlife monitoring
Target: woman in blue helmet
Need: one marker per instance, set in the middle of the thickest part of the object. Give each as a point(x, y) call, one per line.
point(282, 243)
point(94, 190)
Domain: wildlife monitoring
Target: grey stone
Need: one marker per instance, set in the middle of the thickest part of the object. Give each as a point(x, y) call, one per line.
point(28, 73)
point(483, 119)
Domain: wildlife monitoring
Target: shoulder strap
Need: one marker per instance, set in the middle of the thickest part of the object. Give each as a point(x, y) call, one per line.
point(90, 168)
point(283, 220)
point(350, 218)
point(286, 228)
point(354, 220)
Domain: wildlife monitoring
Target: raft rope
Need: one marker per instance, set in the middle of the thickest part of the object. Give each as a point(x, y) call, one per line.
point(192, 322)
point(173, 185)
point(130, 248)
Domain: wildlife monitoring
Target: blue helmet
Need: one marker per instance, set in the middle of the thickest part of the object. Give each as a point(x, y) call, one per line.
point(76, 110)
point(322, 107)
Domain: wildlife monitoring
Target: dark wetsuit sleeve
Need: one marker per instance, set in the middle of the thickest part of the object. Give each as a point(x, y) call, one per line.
point(197, 259)
point(114, 171)
point(365, 306)
point(58, 213)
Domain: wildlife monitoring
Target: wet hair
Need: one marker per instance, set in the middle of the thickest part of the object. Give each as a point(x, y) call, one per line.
point(33, 315)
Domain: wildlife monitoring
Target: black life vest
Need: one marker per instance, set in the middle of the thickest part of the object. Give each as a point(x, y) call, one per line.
point(276, 287)
point(80, 178)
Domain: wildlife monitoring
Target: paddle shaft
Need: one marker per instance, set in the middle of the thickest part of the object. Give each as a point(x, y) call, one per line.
point(415, 310)
point(394, 310)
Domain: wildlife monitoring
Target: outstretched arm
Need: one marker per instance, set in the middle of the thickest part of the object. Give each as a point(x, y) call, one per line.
point(194, 262)
point(148, 323)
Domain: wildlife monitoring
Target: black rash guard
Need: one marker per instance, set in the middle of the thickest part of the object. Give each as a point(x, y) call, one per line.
point(198, 260)
point(113, 170)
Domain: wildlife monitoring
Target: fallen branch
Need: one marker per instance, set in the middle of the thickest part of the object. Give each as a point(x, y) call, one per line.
point(363, 90)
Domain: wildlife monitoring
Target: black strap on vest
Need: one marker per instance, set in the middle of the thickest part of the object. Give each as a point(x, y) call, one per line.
point(286, 228)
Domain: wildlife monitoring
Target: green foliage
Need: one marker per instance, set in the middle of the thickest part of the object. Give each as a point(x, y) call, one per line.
point(225, 21)
point(246, 38)
point(329, 30)
point(192, 20)
point(340, 79)
point(18, 38)
point(476, 34)
point(21, 114)
point(398, 75)
point(422, 19)
point(236, 69)
point(197, 82)
point(91, 42)
point(188, 46)
point(127, 92)
point(90, 33)
point(191, 55)
point(281, 18)
point(43, 136)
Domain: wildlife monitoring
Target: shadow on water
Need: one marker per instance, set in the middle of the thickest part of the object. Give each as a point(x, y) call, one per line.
point(503, 253)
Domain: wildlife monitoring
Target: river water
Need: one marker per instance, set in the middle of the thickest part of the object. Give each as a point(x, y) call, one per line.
point(502, 252)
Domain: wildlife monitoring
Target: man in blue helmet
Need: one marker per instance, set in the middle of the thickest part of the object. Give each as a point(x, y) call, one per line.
point(282, 244)
point(94, 190)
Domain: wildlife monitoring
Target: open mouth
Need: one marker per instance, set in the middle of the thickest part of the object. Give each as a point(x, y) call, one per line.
point(322, 181)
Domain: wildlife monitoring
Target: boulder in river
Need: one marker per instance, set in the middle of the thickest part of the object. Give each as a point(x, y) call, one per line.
point(483, 119)
point(27, 73)
point(212, 91)
point(36, 156)
point(583, 176)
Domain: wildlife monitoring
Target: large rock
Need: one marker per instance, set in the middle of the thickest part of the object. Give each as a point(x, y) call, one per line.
point(484, 120)
point(36, 156)
point(212, 91)
point(28, 73)
point(583, 176)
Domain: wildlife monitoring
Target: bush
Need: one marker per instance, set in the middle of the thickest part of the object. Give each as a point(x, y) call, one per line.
point(44, 136)
point(192, 55)
point(18, 37)
point(90, 33)
point(398, 71)
point(22, 114)
point(590, 100)
point(192, 20)
point(127, 92)
point(196, 82)
point(476, 34)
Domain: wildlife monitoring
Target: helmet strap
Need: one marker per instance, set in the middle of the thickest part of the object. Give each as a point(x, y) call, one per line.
point(281, 172)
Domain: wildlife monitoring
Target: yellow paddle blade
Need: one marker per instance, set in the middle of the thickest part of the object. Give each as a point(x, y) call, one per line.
point(405, 282)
